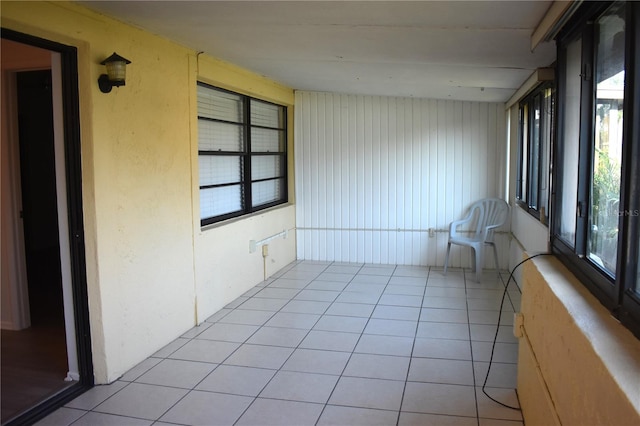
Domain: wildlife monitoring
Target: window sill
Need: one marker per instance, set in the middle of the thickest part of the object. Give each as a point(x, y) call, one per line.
point(533, 213)
point(244, 217)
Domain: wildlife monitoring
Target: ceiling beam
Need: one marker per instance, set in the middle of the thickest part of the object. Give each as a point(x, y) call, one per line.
point(557, 15)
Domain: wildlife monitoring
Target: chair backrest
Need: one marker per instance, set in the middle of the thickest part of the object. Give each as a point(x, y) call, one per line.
point(493, 213)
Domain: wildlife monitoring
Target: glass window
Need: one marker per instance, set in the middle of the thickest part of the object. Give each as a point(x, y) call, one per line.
point(534, 169)
point(571, 141)
point(545, 150)
point(242, 163)
point(598, 159)
point(523, 146)
point(536, 113)
point(607, 139)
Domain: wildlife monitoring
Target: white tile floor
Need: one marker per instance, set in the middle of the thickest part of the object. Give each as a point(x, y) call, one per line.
point(328, 344)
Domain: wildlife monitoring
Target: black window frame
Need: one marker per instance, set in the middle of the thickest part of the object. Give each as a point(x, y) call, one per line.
point(614, 291)
point(247, 154)
point(530, 187)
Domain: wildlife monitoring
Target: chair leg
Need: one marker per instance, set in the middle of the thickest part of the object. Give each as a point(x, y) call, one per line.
point(474, 267)
point(446, 258)
point(495, 256)
point(479, 259)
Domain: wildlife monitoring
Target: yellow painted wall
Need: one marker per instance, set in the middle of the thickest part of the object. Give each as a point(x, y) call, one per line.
point(226, 271)
point(230, 269)
point(577, 365)
point(149, 267)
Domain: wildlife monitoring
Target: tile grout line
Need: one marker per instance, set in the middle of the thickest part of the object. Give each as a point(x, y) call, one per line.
point(354, 347)
point(473, 368)
point(218, 364)
point(322, 315)
point(255, 398)
point(404, 389)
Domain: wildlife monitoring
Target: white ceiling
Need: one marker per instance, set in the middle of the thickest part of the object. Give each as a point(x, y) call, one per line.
point(462, 50)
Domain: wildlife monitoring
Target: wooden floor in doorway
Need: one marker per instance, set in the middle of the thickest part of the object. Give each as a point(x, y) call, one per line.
point(34, 366)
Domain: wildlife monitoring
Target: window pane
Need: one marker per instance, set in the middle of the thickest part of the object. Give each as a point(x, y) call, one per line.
point(224, 130)
point(216, 170)
point(266, 191)
point(219, 201)
point(265, 167)
point(266, 115)
point(524, 150)
point(220, 105)
point(607, 138)
point(534, 152)
point(267, 140)
point(545, 149)
point(217, 136)
point(570, 142)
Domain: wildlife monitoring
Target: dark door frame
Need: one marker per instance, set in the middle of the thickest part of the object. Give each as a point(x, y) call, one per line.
point(73, 173)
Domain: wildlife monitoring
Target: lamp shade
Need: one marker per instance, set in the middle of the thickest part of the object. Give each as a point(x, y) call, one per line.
point(116, 68)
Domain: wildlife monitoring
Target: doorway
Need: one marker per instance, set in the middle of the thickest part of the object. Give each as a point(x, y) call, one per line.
point(34, 359)
point(39, 200)
point(46, 357)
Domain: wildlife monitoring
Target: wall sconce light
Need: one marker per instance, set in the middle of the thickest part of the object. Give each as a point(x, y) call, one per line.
point(116, 72)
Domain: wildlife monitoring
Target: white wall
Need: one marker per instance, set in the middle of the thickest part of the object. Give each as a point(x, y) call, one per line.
point(373, 174)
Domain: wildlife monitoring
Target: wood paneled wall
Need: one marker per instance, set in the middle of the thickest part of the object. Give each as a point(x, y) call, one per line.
point(374, 174)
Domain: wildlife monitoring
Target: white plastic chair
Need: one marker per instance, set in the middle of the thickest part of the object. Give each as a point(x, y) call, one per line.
point(488, 214)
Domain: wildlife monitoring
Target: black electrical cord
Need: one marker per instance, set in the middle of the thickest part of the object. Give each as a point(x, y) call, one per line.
point(495, 338)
